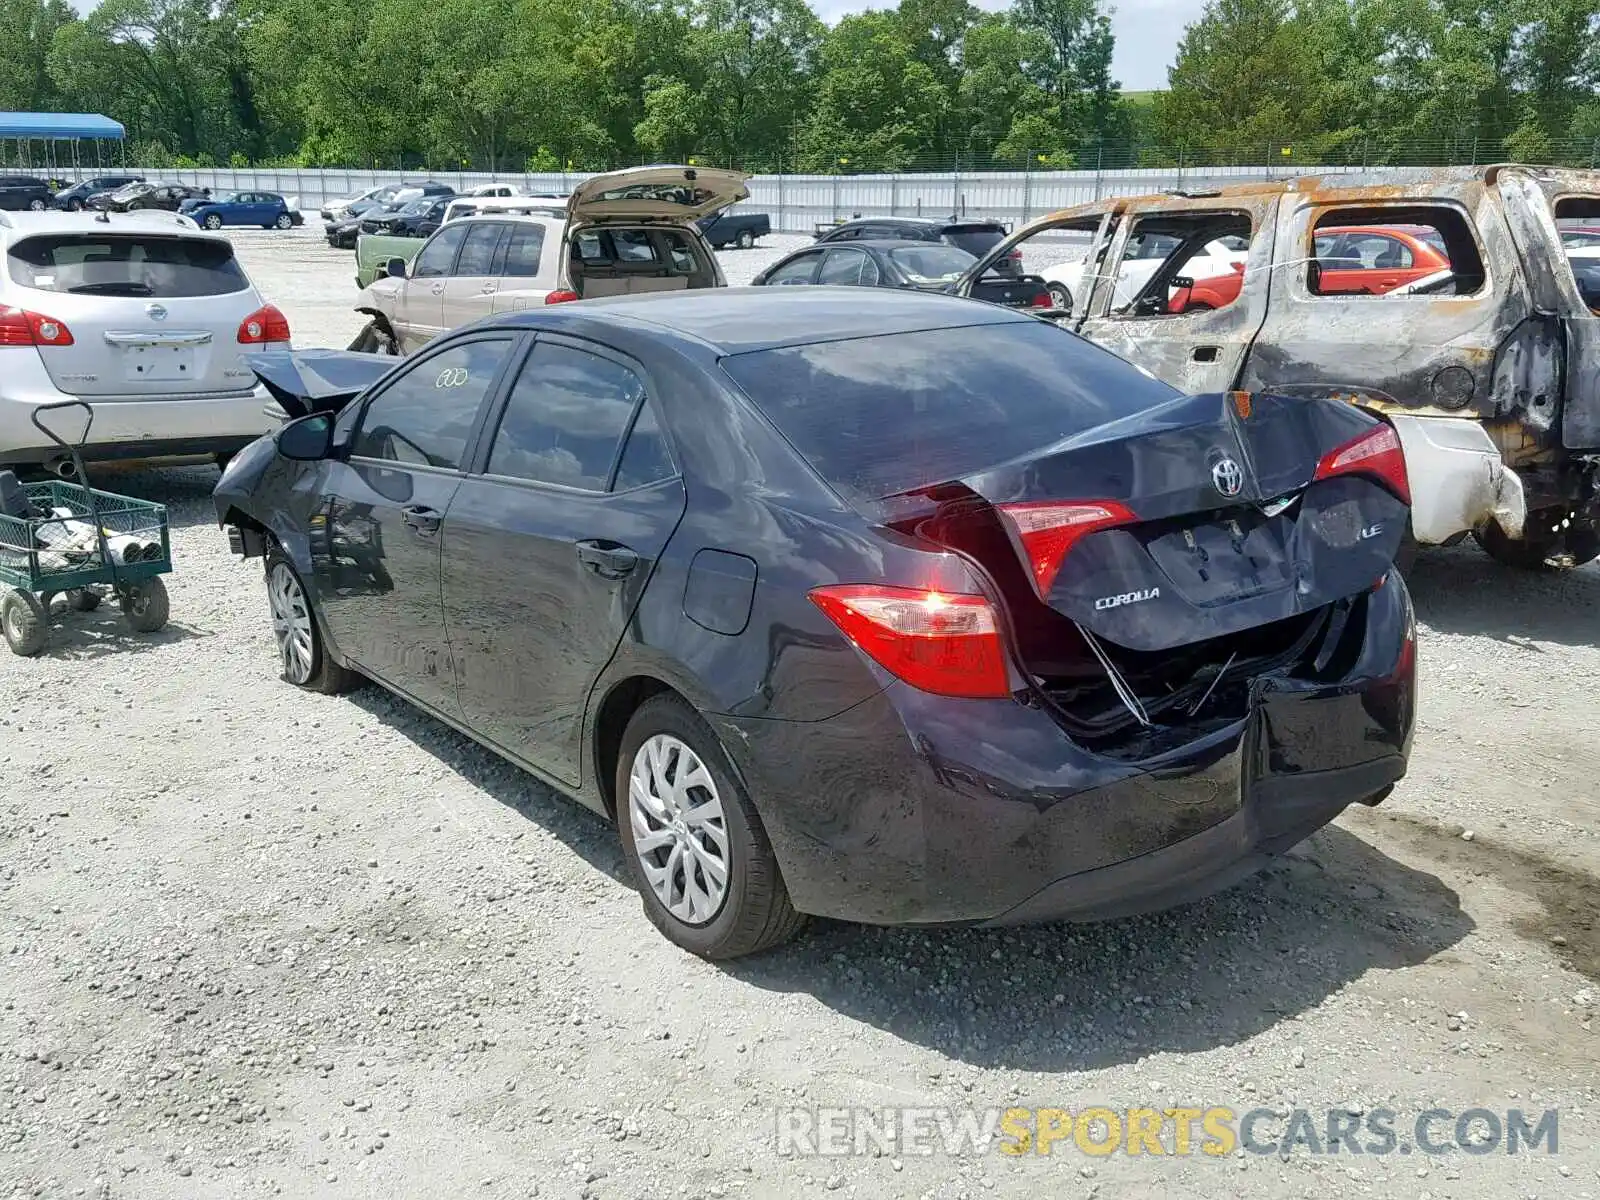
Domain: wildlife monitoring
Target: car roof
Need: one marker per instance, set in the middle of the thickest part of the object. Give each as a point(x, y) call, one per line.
point(16, 225)
point(743, 320)
point(923, 222)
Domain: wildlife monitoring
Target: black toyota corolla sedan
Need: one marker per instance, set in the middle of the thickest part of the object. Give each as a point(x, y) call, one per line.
point(875, 605)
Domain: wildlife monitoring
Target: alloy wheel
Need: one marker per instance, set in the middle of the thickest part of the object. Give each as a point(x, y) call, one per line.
point(679, 830)
point(291, 623)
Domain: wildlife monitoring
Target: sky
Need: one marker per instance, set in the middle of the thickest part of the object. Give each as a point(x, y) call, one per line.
point(1147, 32)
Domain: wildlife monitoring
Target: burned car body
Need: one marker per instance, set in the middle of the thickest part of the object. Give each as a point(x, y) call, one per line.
point(1489, 372)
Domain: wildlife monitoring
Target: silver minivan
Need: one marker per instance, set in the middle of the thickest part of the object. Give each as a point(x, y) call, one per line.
point(143, 315)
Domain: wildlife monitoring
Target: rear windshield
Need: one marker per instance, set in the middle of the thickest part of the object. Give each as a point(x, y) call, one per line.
point(125, 265)
point(976, 240)
point(931, 263)
point(882, 415)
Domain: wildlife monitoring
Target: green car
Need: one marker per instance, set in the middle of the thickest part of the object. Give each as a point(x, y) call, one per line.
point(374, 250)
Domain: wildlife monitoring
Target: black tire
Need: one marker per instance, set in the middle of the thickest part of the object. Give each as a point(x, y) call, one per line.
point(212, 221)
point(83, 600)
point(74, 205)
point(146, 607)
point(746, 239)
point(1547, 552)
point(1060, 297)
point(284, 221)
point(25, 622)
point(38, 205)
point(318, 672)
point(755, 913)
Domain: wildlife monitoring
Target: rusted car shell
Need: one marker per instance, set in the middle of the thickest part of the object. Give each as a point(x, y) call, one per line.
point(1501, 387)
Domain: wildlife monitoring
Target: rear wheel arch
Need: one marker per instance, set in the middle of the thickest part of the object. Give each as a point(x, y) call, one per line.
point(624, 699)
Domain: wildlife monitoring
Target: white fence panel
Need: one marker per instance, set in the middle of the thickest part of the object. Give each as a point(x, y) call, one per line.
point(797, 203)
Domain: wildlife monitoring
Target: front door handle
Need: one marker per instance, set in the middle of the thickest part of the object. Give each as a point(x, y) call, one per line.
point(421, 518)
point(487, 289)
point(609, 560)
point(437, 289)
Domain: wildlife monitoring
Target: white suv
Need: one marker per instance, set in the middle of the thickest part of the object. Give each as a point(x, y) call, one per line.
point(144, 316)
point(621, 233)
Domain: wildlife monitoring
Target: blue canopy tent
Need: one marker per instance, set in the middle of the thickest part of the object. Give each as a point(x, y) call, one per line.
point(54, 128)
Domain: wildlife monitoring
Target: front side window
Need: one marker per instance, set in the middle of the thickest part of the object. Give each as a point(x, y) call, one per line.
point(435, 259)
point(425, 416)
point(801, 270)
point(565, 419)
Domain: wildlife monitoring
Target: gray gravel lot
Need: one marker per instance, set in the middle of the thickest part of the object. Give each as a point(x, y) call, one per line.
point(256, 942)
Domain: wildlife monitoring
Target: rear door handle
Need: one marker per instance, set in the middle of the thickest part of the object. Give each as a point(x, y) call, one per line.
point(437, 289)
point(487, 289)
point(609, 560)
point(421, 518)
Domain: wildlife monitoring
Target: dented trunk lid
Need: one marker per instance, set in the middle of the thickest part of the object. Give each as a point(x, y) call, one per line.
point(1219, 523)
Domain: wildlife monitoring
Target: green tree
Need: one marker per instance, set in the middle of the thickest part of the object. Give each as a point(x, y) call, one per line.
point(27, 30)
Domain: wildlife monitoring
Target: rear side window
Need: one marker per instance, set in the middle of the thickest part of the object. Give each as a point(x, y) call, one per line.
point(976, 240)
point(125, 265)
point(525, 250)
point(565, 419)
point(877, 416)
point(1375, 250)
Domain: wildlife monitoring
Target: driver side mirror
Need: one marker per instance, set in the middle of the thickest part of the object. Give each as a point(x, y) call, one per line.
point(395, 268)
point(310, 439)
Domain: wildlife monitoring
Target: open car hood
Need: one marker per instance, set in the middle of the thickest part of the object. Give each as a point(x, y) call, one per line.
point(308, 381)
point(673, 192)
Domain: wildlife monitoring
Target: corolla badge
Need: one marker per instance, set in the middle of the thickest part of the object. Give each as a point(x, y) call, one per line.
point(155, 312)
point(1228, 477)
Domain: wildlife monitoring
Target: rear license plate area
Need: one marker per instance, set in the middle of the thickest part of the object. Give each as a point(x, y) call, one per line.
point(158, 364)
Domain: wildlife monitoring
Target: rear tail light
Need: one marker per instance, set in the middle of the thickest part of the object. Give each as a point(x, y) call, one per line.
point(948, 645)
point(19, 327)
point(1042, 300)
point(264, 325)
point(1376, 453)
point(561, 296)
point(1014, 255)
point(1048, 531)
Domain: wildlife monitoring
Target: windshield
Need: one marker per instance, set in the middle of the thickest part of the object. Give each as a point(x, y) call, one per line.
point(877, 416)
point(125, 265)
point(931, 263)
point(416, 208)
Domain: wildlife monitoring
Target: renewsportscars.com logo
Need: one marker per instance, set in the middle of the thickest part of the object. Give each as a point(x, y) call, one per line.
point(1212, 1132)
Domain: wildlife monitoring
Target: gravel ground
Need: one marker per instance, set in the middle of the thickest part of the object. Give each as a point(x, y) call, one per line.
point(256, 942)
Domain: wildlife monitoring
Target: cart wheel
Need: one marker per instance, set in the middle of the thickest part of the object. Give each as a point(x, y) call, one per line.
point(83, 600)
point(145, 606)
point(27, 627)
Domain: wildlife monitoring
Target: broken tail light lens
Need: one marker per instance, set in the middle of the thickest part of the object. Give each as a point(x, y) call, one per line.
point(19, 327)
point(946, 644)
point(1049, 529)
point(266, 324)
point(560, 296)
point(1376, 454)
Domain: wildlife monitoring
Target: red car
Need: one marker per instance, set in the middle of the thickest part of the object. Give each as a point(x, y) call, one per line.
point(1362, 258)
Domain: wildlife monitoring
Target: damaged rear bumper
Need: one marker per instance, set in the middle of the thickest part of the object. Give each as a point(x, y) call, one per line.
point(1458, 480)
point(918, 809)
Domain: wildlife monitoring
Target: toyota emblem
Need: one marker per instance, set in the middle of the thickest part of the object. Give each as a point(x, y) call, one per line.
point(1225, 473)
point(155, 312)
